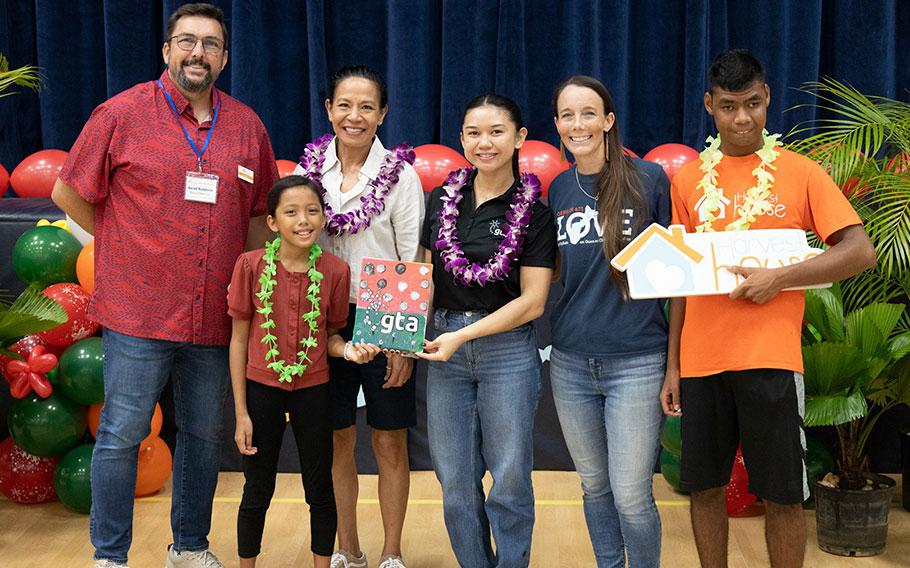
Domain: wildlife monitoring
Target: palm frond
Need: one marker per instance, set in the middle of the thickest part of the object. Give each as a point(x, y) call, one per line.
point(32, 312)
point(832, 369)
point(825, 311)
point(27, 77)
point(853, 127)
point(834, 410)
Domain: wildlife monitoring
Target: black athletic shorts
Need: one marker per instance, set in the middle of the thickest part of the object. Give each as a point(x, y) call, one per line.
point(760, 408)
point(387, 409)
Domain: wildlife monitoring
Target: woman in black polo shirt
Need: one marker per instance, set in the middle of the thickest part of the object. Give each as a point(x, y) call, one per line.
point(493, 248)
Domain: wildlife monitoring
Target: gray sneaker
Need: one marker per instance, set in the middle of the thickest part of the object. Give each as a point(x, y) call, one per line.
point(196, 559)
point(344, 559)
point(105, 563)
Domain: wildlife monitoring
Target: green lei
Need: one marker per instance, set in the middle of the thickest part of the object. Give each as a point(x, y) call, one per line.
point(286, 373)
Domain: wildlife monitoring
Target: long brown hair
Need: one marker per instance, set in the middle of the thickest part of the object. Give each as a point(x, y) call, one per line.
point(618, 183)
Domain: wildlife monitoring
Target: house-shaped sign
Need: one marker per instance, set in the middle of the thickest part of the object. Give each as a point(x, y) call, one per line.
point(669, 262)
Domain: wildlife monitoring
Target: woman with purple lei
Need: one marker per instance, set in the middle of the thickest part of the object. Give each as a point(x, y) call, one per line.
point(374, 208)
point(493, 248)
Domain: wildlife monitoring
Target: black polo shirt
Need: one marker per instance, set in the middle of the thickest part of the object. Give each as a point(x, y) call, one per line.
point(480, 232)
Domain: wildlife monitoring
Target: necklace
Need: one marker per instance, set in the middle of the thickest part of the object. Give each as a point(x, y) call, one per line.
point(756, 201)
point(287, 373)
point(578, 181)
point(372, 202)
point(514, 231)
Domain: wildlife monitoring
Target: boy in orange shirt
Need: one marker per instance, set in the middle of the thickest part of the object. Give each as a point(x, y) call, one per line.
point(740, 354)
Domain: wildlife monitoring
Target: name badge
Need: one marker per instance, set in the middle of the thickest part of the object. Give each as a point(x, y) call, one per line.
point(245, 174)
point(201, 187)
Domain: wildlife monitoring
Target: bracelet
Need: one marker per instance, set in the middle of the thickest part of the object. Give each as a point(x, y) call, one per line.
point(344, 352)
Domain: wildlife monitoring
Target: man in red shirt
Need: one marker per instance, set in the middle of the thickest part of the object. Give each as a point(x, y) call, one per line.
point(167, 175)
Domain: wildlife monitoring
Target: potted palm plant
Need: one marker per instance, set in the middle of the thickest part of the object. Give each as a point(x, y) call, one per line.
point(857, 335)
point(856, 369)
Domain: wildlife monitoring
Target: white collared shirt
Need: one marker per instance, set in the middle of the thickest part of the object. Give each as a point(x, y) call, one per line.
point(393, 234)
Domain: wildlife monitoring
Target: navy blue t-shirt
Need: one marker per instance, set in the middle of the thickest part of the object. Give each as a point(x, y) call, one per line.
point(591, 318)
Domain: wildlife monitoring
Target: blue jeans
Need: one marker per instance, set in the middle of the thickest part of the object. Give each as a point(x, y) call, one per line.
point(135, 372)
point(480, 416)
point(610, 414)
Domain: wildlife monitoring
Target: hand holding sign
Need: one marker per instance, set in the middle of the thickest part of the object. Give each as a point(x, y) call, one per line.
point(666, 263)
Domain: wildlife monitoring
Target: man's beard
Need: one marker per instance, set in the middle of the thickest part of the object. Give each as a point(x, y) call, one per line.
point(194, 86)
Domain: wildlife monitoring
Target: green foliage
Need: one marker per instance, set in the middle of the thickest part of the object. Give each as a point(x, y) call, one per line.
point(864, 143)
point(32, 312)
point(27, 77)
point(850, 362)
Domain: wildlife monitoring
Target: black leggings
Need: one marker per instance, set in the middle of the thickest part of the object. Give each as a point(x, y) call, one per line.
point(311, 421)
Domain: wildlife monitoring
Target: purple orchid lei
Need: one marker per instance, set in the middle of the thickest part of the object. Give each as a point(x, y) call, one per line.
point(372, 202)
point(514, 231)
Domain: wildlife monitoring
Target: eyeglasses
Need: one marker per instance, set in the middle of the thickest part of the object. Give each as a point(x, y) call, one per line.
point(211, 45)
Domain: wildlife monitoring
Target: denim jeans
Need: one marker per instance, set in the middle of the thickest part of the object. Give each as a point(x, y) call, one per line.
point(610, 414)
point(480, 416)
point(135, 372)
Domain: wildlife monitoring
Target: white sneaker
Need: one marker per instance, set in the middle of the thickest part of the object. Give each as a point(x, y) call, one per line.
point(197, 559)
point(344, 559)
point(105, 563)
point(392, 561)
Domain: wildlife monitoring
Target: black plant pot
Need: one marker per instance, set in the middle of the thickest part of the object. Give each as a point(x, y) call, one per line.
point(905, 467)
point(853, 522)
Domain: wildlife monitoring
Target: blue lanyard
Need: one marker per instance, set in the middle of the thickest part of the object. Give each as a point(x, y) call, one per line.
point(189, 139)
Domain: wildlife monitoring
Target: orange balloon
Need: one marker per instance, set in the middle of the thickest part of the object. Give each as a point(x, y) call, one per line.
point(85, 267)
point(35, 175)
point(155, 465)
point(94, 418)
point(285, 167)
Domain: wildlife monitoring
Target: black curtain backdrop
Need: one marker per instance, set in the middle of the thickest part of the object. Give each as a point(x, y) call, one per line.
point(437, 54)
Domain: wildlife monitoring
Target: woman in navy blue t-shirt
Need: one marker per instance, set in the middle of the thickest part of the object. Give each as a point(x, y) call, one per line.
point(609, 353)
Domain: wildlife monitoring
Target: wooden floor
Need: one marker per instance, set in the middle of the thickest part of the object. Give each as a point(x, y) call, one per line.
point(50, 536)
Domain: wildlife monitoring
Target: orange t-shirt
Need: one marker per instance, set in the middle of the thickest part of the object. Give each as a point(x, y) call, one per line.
point(720, 334)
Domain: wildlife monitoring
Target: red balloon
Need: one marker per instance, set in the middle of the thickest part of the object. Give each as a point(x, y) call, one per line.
point(542, 160)
point(36, 174)
point(24, 347)
point(4, 180)
point(25, 478)
point(74, 300)
point(672, 157)
point(29, 375)
point(741, 503)
point(433, 163)
point(285, 167)
point(155, 465)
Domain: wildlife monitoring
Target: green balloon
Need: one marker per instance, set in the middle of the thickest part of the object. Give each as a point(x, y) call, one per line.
point(53, 376)
point(46, 255)
point(73, 478)
point(82, 371)
point(670, 435)
point(46, 426)
point(669, 467)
